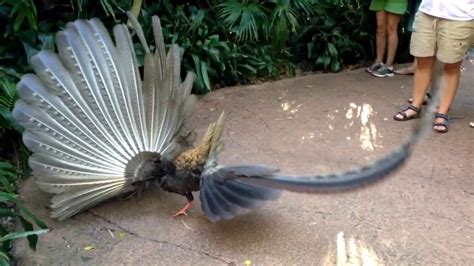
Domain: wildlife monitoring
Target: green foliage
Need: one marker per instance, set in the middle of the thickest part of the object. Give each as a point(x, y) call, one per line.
point(13, 211)
point(244, 18)
point(336, 34)
point(8, 97)
point(21, 9)
point(225, 42)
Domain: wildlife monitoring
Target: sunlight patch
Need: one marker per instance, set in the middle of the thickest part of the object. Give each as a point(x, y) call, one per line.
point(368, 131)
point(351, 252)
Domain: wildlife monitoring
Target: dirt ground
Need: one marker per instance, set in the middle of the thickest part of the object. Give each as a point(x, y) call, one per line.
point(422, 215)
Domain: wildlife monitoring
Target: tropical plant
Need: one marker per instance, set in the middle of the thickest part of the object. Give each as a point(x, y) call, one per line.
point(245, 18)
point(13, 211)
point(335, 35)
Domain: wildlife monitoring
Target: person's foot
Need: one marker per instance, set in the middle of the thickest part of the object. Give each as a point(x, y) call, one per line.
point(373, 67)
point(409, 113)
point(440, 124)
point(405, 71)
point(384, 71)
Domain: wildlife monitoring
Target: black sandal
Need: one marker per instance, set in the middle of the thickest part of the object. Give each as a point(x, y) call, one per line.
point(404, 115)
point(442, 124)
point(425, 101)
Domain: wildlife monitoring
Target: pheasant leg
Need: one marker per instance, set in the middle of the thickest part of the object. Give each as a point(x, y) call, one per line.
point(183, 210)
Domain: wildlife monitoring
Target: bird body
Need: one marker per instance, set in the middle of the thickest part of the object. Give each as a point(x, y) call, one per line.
point(98, 130)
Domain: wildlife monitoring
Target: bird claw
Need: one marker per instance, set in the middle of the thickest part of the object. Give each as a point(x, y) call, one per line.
point(183, 210)
point(179, 213)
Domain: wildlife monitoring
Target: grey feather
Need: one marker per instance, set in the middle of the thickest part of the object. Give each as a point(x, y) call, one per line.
point(91, 122)
point(224, 196)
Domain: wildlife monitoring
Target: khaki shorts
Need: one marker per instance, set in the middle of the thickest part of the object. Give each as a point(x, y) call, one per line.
point(448, 39)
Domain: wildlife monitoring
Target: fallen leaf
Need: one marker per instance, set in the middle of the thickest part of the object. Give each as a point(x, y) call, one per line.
point(111, 234)
point(89, 247)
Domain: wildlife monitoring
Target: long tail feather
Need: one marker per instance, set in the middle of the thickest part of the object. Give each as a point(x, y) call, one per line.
point(361, 176)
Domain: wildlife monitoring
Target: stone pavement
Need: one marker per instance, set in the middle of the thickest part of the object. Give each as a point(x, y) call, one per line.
point(423, 214)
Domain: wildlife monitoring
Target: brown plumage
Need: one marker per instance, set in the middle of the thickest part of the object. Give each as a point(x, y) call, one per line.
point(196, 157)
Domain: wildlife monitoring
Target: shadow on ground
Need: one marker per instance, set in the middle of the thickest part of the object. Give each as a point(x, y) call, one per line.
point(320, 123)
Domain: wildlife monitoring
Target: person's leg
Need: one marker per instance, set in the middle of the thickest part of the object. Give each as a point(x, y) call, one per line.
point(451, 75)
point(393, 10)
point(381, 36)
point(392, 31)
point(378, 7)
point(453, 42)
point(422, 46)
point(421, 82)
point(422, 78)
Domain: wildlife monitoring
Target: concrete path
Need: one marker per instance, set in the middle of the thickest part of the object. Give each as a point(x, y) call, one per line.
point(422, 215)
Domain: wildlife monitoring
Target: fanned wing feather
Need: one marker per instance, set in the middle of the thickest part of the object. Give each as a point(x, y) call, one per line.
point(131, 77)
point(223, 196)
point(89, 118)
point(33, 92)
point(67, 205)
point(91, 56)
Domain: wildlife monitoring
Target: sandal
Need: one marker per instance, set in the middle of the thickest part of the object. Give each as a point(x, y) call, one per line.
point(441, 124)
point(404, 115)
point(425, 101)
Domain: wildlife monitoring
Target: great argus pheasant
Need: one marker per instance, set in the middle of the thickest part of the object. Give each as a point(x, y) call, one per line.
point(98, 131)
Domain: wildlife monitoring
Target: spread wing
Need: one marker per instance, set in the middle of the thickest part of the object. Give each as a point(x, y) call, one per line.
point(223, 195)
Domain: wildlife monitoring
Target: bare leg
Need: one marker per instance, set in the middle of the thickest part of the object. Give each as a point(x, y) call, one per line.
point(381, 35)
point(392, 31)
point(421, 81)
point(451, 75)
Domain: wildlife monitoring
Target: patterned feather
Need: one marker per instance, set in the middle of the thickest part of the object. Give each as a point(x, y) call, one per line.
point(92, 124)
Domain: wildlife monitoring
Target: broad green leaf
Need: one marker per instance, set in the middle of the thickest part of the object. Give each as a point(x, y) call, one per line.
point(310, 46)
point(205, 76)
point(332, 50)
point(7, 197)
point(28, 214)
point(16, 235)
point(4, 259)
point(335, 65)
point(326, 60)
point(18, 21)
point(32, 239)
